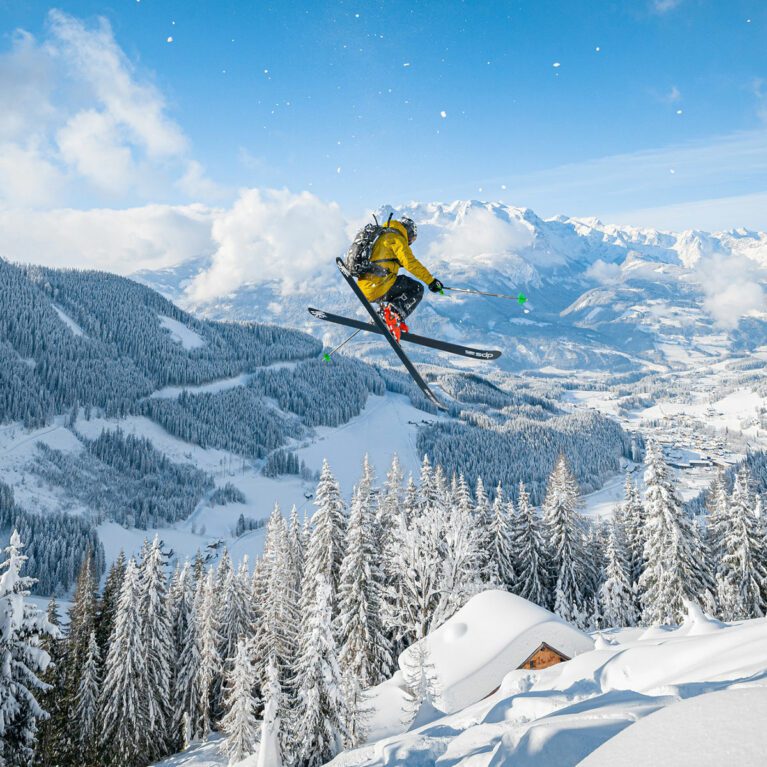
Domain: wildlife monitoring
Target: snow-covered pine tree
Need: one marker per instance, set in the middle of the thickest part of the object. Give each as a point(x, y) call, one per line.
point(122, 704)
point(389, 507)
point(22, 659)
point(188, 716)
point(52, 735)
point(239, 721)
point(740, 573)
point(529, 552)
point(422, 683)
point(277, 629)
point(568, 561)
point(85, 712)
point(670, 573)
point(235, 611)
point(364, 656)
point(483, 522)
point(717, 508)
point(634, 525)
point(325, 550)
point(296, 541)
point(209, 667)
point(270, 750)
point(107, 605)
point(617, 601)
point(501, 543)
point(158, 642)
point(320, 716)
point(461, 548)
point(414, 569)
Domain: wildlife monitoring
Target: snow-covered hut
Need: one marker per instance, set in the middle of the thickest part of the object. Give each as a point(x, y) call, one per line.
point(494, 633)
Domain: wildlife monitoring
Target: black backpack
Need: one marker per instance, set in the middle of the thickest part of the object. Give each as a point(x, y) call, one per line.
point(358, 256)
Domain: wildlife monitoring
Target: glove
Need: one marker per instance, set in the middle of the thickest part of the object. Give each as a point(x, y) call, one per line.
point(435, 286)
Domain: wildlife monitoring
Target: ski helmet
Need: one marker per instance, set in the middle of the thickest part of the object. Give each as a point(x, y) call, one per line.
point(410, 228)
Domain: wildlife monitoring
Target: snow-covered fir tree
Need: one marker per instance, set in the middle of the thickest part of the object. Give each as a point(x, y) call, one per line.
point(671, 571)
point(461, 552)
point(568, 561)
point(276, 631)
point(122, 704)
point(321, 711)
point(107, 605)
point(415, 566)
point(85, 712)
point(634, 526)
point(158, 643)
point(364, 652)
point(210, 665)
point(235, 609)
point(239, 722)
point(270, 750)
point(188, 715)
point(325, 550)
point(501, 541)
point(483, 522)
point(22, 659)
point(529, 552)
point(741, 572)
point(422, 685)
point(617, 602)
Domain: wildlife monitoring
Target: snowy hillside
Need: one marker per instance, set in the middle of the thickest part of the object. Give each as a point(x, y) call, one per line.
point(600, 296)
point(692, 695)
point(119, 412)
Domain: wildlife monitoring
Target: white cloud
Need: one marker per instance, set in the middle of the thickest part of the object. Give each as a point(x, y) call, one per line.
point(98, 61)
point(480, 233)
point(121, 241)
point(73, 106)
point(604, 272)
point(271, 235)
point(734, 286)
point(90, 142)
point(27, 176)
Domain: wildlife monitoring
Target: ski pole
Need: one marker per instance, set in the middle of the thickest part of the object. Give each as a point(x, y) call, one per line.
point(326, 357)
point(521, 298)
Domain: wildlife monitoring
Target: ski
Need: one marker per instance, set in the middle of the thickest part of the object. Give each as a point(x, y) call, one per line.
point(432, 343)
point(404, 359)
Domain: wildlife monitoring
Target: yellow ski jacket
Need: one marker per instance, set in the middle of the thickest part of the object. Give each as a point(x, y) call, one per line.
point(392, 251)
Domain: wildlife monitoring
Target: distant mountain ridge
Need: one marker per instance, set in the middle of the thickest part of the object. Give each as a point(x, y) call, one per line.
point(601, 296)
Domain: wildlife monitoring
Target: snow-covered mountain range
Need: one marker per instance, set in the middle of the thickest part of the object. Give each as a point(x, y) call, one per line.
point(600, 296)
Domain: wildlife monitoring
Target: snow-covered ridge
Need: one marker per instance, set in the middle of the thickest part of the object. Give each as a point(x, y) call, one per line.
point(646, 283)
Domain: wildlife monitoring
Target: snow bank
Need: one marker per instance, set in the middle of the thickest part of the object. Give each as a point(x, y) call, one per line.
point(494, 633)
point(695, 695)
point(718, 728)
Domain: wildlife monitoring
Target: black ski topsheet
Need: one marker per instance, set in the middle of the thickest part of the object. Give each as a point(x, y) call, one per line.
point(404, 359)
point(432, 343)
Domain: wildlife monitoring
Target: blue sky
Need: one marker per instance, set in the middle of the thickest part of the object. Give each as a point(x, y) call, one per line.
point(650, 111)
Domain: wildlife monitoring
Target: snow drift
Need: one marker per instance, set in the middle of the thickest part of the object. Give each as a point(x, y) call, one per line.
point(494, 633)
point(562, 715)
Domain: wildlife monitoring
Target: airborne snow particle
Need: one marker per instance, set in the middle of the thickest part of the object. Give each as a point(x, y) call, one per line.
point(672, 171)
point(443, 114)
point(406, 64)
point(679, 111)
point(597, 49)
point(503, 186)
point(338, 169)
point(169, 40)
point(556, 65)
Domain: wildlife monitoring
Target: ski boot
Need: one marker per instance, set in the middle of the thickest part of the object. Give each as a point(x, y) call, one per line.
point(394, 322)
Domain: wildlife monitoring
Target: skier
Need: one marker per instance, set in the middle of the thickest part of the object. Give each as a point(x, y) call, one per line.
point(397, 295)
